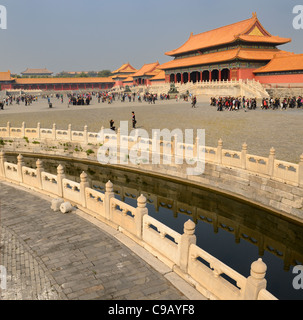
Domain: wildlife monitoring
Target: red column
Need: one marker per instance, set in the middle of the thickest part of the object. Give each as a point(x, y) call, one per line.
point(175, 78)
point(210, 75)
point(182, 78)
point(201, 76)
point(220, 75)
point(188, 76)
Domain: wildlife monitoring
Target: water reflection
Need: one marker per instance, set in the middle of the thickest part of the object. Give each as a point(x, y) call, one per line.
point(233, 231)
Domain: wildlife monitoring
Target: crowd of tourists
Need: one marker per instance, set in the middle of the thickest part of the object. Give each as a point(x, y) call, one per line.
point(109, 97)
point(228, 103)
point(237, 103)
point(26, 99)
point(233, 103)
point(290, 102)
point(79, 99)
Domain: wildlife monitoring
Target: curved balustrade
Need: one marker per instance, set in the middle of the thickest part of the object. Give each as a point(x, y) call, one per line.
point(275, 169)
point(208, 275)
point(175, 157)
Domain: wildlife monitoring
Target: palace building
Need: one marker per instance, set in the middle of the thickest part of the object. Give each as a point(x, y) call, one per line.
point(148, 74)
point(54, 84)
point(282, 69)
point(37, 72)
point(147, 71)
point(124, 72)
point(243, 50)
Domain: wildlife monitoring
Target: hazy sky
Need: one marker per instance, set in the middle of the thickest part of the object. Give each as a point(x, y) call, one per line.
point(77, 35)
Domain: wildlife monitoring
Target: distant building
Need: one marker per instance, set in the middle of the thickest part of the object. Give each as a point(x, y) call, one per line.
point(54, 84)
point(36, 72)
point(124, 72)
point(6, 81)
point(147, 71)
point(148, 74)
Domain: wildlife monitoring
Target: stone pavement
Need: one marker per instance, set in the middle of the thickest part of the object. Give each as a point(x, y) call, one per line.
point(53, 256)
point(260, 129)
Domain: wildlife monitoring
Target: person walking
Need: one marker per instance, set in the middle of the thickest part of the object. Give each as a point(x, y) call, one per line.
point(194, 101)
point(134, 121)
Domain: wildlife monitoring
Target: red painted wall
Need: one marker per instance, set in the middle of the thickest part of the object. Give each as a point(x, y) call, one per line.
point(157, 82)
point(289, 78)
point(246, 74)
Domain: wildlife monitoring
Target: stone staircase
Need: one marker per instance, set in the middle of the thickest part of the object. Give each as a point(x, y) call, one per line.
point(247, 88)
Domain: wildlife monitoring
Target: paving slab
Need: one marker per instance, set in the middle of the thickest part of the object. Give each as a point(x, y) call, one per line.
point(53, 256)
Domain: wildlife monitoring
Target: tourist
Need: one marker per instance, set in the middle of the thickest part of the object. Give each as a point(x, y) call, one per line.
point(134, 121)
point(111, 124)
point(194, 101)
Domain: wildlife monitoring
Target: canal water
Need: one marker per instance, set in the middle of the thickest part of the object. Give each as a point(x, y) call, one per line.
point(233, 231)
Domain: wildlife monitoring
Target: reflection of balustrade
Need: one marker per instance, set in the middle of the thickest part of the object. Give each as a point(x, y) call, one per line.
point(179, 251)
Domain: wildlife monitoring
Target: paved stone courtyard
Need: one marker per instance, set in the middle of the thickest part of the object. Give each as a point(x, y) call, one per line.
point(260, 129)
point(53, 256)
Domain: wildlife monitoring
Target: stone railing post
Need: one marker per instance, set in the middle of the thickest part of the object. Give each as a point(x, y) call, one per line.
point(23, 129)
point(196, 147)
point(69, 132)
point(39, 171)
point(83, 184)
point(271, 162)
point(136, 137)
point(174, 147)
point(243, 155)
point(60, 177)
point(109, 193)
point(85, 135)
point(8, 129)
point(54, 131)
point(2, 160)
point(155, 151)
point(219, 151)
point(38, 130)
point(101, 135)
point(141, 211)
point(187, 238)
point(300, 173)
point(20, 164)
point(256, 281)
point(118, 137)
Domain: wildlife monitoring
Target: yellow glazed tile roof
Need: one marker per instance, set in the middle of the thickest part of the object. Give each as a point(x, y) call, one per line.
point(290, 62)
point(228, 55)
point(249, 30)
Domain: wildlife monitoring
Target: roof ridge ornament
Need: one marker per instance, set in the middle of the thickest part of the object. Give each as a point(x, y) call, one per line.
point(254, 15)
